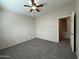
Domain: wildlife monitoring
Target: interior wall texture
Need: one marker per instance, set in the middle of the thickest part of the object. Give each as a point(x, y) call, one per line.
point(47, 26)
point(15, 28)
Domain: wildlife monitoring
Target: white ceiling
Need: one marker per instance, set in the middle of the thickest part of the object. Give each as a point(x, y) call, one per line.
point(18, 6)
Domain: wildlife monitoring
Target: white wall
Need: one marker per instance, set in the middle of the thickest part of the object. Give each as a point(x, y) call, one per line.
point(15, 28)
point(47, 25)
point(77, 12)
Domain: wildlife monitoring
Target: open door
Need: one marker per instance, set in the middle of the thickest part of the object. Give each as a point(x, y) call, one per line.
point(72, 32)
point(64, 31)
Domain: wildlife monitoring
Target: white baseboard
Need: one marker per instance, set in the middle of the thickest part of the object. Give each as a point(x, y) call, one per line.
point(15, 43)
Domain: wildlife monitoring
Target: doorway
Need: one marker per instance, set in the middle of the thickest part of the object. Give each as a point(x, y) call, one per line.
point(64, 31)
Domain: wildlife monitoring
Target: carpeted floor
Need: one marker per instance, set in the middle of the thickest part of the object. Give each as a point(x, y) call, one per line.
point(38, 49)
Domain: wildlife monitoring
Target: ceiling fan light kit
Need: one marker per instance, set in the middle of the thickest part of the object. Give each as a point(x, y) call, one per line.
point(34, 6)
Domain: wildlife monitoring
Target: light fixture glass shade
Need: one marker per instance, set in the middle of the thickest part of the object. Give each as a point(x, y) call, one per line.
point(33, 7)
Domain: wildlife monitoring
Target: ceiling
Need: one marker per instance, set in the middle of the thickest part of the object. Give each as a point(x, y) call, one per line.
point(18, 6)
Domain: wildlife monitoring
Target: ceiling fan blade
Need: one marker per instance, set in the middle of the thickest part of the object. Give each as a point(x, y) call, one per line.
point(37, 10)
point(31, 10)
point(27, 6)
point(32, 2)
point(41, 5)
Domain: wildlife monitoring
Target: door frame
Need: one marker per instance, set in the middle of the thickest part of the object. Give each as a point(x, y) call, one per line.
point(74, 28)
point(58, 24)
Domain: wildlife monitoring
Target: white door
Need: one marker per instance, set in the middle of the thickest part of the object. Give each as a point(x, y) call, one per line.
point(72, 31)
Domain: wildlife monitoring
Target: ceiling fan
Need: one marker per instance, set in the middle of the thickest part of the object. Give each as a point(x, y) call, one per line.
point(34, 6)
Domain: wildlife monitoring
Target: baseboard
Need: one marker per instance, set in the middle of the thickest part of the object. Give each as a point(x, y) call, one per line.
point(16, 44)
point(47, 39)
point(25, 41)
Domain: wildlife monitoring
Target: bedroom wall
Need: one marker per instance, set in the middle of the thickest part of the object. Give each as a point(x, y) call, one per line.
point(77, 41)
point(15, 28)
point(47, 25)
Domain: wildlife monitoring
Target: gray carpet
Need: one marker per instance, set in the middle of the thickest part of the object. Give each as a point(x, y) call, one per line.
point(38, 49)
